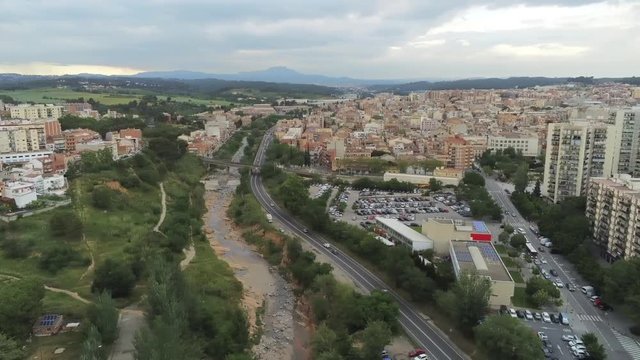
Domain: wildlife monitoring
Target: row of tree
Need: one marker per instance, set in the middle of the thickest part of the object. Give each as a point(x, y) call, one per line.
point(472, 190)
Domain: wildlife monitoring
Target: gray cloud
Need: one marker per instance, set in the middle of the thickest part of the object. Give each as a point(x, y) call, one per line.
point(374, 39)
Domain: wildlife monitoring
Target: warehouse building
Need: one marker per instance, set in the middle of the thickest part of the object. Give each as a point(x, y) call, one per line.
point(400, 233)
point(483, 259)
point(441, 231)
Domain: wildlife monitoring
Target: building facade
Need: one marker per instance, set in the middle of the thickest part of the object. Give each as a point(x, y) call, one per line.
point(575, 152)
point(613, 210)
point(37, 111)
point(527, 144)
point(21, 136)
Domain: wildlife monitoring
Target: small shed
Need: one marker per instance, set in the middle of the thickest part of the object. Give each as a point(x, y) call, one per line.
point(47, 325)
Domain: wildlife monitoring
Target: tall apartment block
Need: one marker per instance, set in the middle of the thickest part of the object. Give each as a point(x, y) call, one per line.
point(575, 152)
point(613, 210)
point(21, 136)
point(579, 150)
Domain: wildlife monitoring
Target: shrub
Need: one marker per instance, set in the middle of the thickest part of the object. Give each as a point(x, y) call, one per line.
point(114, 276)
point(58, 257)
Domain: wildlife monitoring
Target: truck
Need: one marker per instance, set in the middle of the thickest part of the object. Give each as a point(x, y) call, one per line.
point(269, 218)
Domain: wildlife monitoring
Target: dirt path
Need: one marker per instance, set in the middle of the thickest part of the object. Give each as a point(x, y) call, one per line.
point(93, 259)
point(74, 295)
point(164, 210)
point(189, 254)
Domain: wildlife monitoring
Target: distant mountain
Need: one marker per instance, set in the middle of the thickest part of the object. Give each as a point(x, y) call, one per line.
point(278, 74)
point(478, 83)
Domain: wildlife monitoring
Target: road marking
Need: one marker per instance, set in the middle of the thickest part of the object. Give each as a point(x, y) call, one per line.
point(630, 345)
point(585, 317)
point(560, 349)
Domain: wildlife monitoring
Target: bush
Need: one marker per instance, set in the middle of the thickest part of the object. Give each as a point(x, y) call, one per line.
point(513, 253)
point(102, 197)
point(114, 276)
point(15, 248)
point(66, 223)
point(58, 257)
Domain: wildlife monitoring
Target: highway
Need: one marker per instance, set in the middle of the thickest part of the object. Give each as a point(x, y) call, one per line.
point(416, 326)
point(584, 316)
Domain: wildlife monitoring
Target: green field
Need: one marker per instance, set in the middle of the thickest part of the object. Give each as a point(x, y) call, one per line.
point(60, 95)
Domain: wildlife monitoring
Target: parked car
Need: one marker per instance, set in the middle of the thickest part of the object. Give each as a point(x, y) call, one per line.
point(513, 313)
point(605, 307)
point(537, 316)
point(554, 318)
point(416, 352)
point(569, 337)
point(545, 317)
point(528, 315)
point(421, 357)
point(542, 335)
point(520, 314)
point(553, 272)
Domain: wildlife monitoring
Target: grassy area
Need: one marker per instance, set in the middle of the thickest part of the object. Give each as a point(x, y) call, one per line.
point(519, 299)
point(501, 249)
point(509, 262)
point(60, 95)
point(517, 277)
point(43, 347)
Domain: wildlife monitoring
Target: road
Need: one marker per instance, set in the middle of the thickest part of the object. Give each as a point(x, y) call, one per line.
point(415, 324)
point(584, 316)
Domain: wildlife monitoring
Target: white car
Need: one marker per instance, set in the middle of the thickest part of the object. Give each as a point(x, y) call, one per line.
point(542, 336)
point(559, 283)
point(528, 315)
point(326, 245)
point(545, 317)
point(569, 337)
point(543, 261)
point(513, 314)
point(575, 342)
point(578, 353)
point(421, 357)
point(521, 230)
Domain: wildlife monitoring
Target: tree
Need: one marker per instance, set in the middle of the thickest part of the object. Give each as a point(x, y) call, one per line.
point(67, 224)
point(504, 237)
point(21, 305)
point(163, 342)
point(435, 184)
point(473, 178)
point(104, 315)
point(594, 348)
point(374, 338)
point(115, 277)
point(92, 346)
point(541, 291)
point(10, 349)
point(518, 241)
point(503, 337)
point(536, 189)
point(471, 299)
point(102, 197)
point(521, 178)
point(324, 340)
point(508, 229)
point(59, 256)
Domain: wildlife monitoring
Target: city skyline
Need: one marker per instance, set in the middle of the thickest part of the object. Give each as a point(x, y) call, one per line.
point(369, 40)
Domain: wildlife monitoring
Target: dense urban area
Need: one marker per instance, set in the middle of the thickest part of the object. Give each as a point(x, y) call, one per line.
point(310, 222)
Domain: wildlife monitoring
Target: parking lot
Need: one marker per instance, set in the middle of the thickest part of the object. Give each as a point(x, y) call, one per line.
point(410, 208)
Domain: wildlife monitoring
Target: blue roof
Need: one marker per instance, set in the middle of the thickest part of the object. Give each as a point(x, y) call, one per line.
point(480, 226)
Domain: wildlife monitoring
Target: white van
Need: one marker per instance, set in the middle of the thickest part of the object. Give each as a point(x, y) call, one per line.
point(587, 290)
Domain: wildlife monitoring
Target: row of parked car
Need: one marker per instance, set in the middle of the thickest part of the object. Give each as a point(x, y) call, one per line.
point(529, 315)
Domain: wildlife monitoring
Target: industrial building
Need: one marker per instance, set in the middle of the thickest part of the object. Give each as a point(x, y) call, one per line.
point(400, 233)
point(483, 259)
point(441, 231)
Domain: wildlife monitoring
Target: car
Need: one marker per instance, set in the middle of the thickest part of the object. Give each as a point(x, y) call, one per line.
point(520, 314)
point(570, 287)
point(326, 245)
point(421, 357)
point(555, 318)
point(282, 230)
point(553, 272)
point(542, 335)
point(605, 307)
point(580, 354)
point(541, 249)
point(594, 298)
point(513, 313)
point(545, 317)
point(537, 316)
point(546, 275)
point(520, 230)
point(272, 204)
point(305, 230)
point(416, 352)
point(559, 283)
point(513, 214)
point(528, 315)
point(543, 260)
point(575, 342)
point(597, 302)
point(569, 337)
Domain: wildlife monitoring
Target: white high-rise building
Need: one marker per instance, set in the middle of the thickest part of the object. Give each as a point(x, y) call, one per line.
point(626, 158)
point(575, 152)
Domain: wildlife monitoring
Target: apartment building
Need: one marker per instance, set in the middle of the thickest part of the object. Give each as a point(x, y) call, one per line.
point(626, 158)
point(613, 210)
point(460, 153)
point(21, 136)
point(37, 111)
point(576, 151)
point(525, 143)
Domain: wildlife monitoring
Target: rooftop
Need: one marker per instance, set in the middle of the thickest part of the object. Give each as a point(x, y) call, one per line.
point(404, 230)
point(481, 257)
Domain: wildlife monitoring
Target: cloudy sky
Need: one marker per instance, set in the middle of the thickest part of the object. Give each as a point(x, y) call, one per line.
point(357, 38)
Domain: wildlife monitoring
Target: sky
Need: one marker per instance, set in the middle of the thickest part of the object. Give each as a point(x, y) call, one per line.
point(370, 39)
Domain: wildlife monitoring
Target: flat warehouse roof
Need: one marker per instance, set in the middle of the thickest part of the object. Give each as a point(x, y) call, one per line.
point(403, 230)
point(480, 226)
point(480, 257)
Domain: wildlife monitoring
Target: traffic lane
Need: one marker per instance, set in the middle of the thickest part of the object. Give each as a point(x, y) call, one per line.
point(412, 322)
